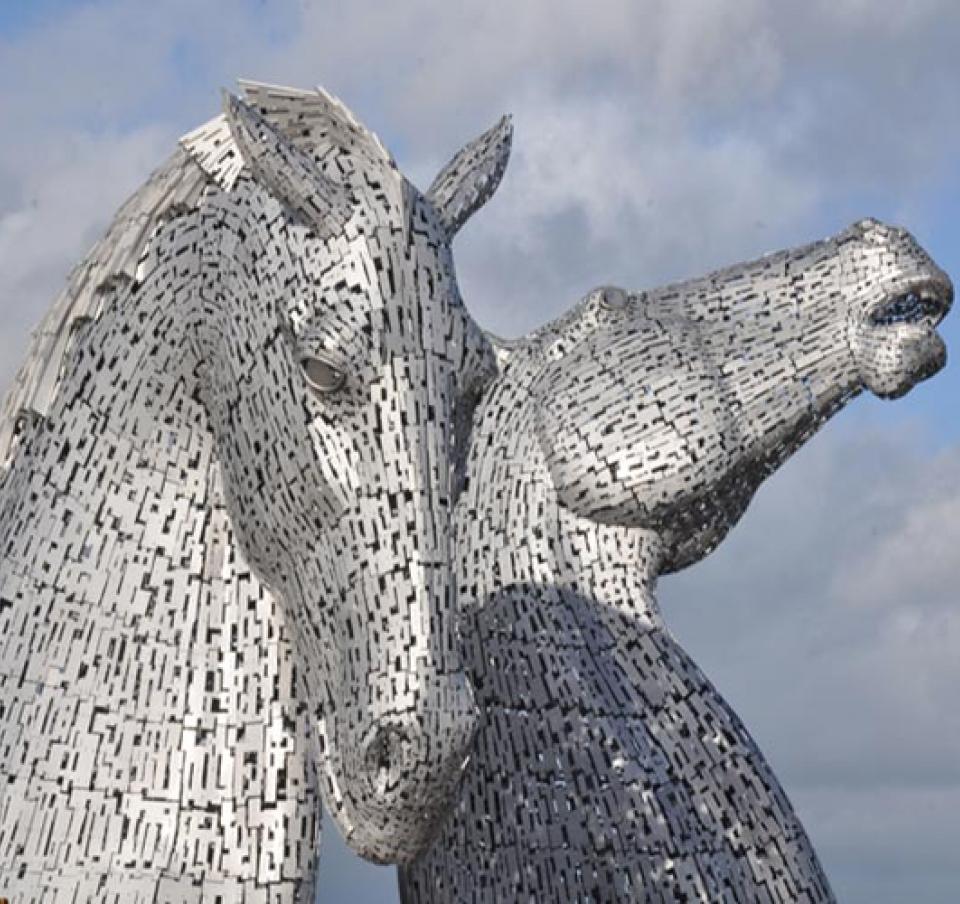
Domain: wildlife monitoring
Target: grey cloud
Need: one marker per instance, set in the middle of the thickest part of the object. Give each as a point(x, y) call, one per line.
point(595, 195)
point(683, 135)
point(844, 85)
point(919, 552)
point(891, 847)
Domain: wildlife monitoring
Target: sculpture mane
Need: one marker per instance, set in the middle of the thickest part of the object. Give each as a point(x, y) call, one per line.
point(207, 154)
point(173, 188)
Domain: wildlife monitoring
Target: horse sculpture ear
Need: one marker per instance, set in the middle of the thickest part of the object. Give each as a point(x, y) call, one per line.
point(469, 180)
point(287, 172)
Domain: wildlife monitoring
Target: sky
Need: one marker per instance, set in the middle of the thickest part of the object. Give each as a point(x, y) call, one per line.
point(654, 140)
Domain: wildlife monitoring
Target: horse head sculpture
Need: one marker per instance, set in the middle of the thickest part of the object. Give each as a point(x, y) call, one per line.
point(335, 375)
point(619, 443)
point(667, 408)
point(225, 519)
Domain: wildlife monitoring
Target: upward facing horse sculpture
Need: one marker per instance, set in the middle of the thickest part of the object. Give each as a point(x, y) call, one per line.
point(620, 443)
point(224, 522)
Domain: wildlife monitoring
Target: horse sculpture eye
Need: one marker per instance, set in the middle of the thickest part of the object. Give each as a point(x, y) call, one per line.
point(322, 375)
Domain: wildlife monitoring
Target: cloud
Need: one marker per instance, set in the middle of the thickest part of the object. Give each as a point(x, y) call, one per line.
point(64, 204)
point(597, 193)
point(654, 139)
point(866, 89)
point(919, 552)
point(886, 847)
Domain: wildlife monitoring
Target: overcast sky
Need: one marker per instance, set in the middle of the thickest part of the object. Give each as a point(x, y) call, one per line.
point(655, 139)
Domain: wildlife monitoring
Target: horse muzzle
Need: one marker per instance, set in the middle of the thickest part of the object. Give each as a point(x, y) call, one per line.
point(897, 346)
point(402, 769)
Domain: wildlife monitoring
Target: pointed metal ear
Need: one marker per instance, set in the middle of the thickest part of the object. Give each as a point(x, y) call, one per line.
point(287, 172)
point(468, 181)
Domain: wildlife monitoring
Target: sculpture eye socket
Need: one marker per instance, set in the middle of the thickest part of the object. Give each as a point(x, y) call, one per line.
point(322, 376)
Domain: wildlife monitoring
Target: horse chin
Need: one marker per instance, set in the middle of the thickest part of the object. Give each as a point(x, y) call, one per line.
point(399, 774)
point(394, 832)
point(894, 368)
point(397, 845)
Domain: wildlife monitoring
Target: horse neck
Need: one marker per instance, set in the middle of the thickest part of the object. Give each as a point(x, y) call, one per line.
point(125, 592)
point(108, 493)
point(512, 530)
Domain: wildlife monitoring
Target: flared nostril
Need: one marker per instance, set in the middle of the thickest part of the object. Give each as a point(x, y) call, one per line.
point(424, 747)
point(383, 756)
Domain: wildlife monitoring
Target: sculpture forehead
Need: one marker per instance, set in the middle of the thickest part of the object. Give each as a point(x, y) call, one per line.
point(384, 274)
point(385, 291)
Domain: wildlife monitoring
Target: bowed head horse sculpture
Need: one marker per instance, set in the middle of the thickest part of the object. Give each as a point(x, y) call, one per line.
point(225, 521)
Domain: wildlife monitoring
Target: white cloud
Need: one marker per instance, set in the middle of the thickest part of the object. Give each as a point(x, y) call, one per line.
point(64, 204)
point(919, 553)
point(718, 52)
point(599, 193)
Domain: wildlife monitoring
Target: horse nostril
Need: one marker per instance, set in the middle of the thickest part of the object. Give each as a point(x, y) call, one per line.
point(383, 755)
